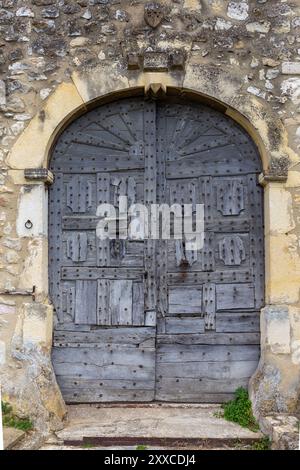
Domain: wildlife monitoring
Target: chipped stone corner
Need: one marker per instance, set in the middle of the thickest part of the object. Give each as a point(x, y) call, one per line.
point(275, 385)
point(29, 382)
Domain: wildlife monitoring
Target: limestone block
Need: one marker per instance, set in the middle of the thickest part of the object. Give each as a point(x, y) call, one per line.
point(278, 210)
point(282, 429)
point(35, 268)
point(32, 211)
point(291, 88)
point(238, 10)
point(276, 329)
point(37, 325)
point(291, 68)
point(39, 133)
point(99, 82)
point(282, 269)
point(2, 93)
point(7, 309)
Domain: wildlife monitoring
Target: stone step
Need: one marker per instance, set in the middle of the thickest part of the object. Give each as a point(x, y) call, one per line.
point(163, 425)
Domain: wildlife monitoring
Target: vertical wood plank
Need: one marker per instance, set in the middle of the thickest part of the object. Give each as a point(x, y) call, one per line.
point(150, 188)
point(120, 302)
point(209, 305)
point(103, 197)
point(138, 314)
point(86, 301)
point(56, 198)
point(103, 312)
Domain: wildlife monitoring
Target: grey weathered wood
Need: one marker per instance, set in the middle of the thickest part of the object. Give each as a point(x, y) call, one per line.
point(85, 311)
point(209, 338)
point(77, 246)
point(103, 197)
point(150, 189)
point(192, 278)
point(138, 306)
point(209, 370)
point(103, 312)
point(234, 296)
point(198, 353)
point(185, 300)
point(196, 386)
point(131, 337)
point(120, 302)
point(209, 305)
point(213, 162)
point(237, 322)
point(72, 273)
point(111, 296)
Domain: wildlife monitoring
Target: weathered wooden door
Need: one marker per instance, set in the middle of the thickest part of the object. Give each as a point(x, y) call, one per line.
point(209, 300)
point(142, 320)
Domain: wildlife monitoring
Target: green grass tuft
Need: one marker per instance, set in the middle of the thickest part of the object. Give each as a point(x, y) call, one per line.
point(263, 444)
point(12, 421)
point(239, 410)
point(141, 447)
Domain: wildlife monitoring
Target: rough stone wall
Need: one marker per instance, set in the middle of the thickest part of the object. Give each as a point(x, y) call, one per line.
point(44, 43)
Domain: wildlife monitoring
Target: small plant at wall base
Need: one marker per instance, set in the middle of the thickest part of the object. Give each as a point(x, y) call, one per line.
point(13, 421)
point(239, 410)
point(263, 444)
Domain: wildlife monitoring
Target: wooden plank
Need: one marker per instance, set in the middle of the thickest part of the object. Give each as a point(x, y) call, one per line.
point(138, 309)
point(103, 197)
point(195, 386)
point(176, 325)
point(71, 273)
point(209, 370)
point(209, 305)
point(190, 278)
point(55, 243)
point(234, 296)
point(103, 312)
point(203, 353)
point(237, 322)
point(97, 395)
point(185, 300)
point(68, 301)
point(214, 162)
point(120, 302)
point(135, 337)
point(150, 195)
point(194, 398)
point(256, 235)
point(209, 338)
point(138, 357)
point(116, 364)
point(86, 301)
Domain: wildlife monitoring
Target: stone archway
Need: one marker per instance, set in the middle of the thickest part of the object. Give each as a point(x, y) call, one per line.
point(144, 320)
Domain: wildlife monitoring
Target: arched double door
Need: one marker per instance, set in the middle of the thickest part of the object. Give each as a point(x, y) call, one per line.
point(143, 320)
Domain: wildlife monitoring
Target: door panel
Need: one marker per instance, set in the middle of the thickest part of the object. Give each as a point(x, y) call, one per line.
point(216, 290)
point(141, 319)
point(99, 283)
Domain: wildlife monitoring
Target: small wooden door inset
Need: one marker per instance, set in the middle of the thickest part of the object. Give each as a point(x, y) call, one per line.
point(140, 319)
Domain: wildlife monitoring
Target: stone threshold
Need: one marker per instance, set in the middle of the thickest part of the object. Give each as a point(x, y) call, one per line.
point(166, 443)
point(165, 425)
